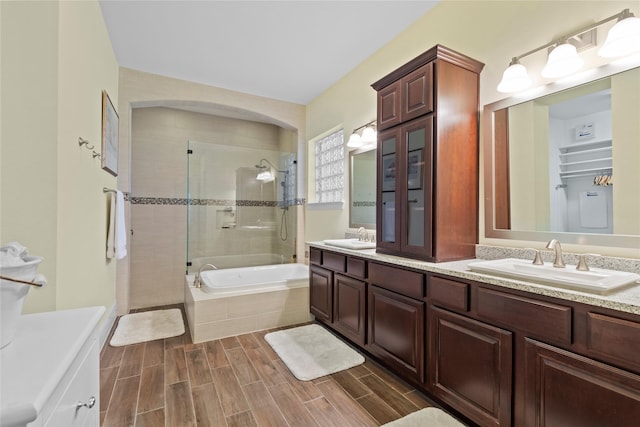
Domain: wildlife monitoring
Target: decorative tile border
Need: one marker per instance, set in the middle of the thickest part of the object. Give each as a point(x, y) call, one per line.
point(364, 204)
point(210, 202)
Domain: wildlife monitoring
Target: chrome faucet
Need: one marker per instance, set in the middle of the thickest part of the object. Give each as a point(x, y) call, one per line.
point(363, 234)
point(555, 244)
point(196, 282)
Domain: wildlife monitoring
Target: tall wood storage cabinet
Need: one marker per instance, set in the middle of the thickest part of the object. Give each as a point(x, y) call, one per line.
point(427, 198)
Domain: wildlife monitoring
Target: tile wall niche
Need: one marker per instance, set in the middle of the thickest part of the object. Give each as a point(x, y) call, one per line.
point(159, 173)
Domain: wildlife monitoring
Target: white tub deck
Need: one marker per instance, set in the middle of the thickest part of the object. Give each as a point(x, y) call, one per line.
point(227, 313)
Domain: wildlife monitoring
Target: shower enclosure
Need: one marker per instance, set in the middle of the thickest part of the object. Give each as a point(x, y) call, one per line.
point(240, 206)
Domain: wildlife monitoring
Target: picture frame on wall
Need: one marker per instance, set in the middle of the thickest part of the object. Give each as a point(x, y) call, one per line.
point(109, 135)
point(414, 169)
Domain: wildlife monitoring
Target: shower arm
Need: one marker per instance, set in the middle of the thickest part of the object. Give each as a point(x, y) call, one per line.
point(261, 166)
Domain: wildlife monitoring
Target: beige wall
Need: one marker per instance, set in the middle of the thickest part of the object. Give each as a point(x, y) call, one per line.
point(489, 31)
point(139, 89)
point(625, 100)
point(56, 60)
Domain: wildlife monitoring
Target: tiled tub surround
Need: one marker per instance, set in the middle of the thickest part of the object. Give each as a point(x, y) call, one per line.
point(626, 300)
point(212, 316)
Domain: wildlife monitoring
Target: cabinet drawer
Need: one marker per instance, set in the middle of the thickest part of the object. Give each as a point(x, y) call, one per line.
point(357, 267)
point(540, 319)
point(336, 262)
point(315, 256)
point(449, 293)
point(405, 282)
point(613, 339)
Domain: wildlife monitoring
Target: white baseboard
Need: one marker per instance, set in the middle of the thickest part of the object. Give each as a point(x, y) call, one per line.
point(107, 324)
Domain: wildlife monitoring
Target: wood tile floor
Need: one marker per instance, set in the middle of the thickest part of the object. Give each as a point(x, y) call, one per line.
point(240, 381)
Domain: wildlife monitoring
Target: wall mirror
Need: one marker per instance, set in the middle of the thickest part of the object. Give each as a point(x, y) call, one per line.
point(563, 163)
point(362, 188)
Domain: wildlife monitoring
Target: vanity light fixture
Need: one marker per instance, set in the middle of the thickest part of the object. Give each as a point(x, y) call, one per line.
point(623, 39)
point(367, 135)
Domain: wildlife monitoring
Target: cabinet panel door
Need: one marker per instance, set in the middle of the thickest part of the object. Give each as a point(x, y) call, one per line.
point(417, 93)
point(417, 146)
point(470, 366)
point(396, 331)
point(568, 390)
point(389, 100)
point(321, 293)
point(349, 307)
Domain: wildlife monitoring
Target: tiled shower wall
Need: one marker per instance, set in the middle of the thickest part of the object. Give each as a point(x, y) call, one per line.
point(159, 174)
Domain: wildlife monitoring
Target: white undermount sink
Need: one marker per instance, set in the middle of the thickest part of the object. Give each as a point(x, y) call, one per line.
point(596, 280)
point(350, 243)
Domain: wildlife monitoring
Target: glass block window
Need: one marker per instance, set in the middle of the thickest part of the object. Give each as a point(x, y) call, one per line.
point(330, 168)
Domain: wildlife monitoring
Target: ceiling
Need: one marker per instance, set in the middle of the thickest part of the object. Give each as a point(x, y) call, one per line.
point(286, 50)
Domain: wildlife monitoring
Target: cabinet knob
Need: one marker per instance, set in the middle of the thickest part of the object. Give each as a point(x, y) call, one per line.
point(90, 404)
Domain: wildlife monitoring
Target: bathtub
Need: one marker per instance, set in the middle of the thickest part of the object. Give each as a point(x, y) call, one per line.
point(236, 261)
point(237, 301)
point(236, 281)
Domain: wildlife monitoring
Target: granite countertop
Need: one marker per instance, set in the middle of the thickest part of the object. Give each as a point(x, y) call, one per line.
point(626, 300)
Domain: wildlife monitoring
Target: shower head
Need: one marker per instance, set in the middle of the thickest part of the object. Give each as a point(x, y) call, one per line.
point(268, 175)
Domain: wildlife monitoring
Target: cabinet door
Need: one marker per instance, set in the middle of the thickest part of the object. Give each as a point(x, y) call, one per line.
point(321, 293)
point(417, 93)
point(416, 187)
point(83, 389)
point(349, 307)
point(389, 100)
point(470, 366)
point(568, 390)
point(388, 196)
point(396, 331)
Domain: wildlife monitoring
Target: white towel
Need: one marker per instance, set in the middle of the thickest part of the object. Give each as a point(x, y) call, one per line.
point(117, 234)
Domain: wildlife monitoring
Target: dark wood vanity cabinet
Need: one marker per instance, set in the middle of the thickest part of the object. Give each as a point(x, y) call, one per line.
point(470, 366)
point(428, 123)
point(349, 308)
point(335, 298)
point(569, 390)
point(497, 356)
point(396, 331)
point(321, 293)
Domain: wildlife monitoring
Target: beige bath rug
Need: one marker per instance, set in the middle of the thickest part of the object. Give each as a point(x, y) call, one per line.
point(431, 417)
point(311, 351)
point(148, 326)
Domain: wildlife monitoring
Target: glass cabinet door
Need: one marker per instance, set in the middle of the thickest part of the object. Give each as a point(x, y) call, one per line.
point(388, 203)
point(416, 218)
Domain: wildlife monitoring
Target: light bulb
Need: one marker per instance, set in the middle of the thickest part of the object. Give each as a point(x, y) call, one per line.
point(623, 39)
point(514, 79)
point(355, 141)
point(368, 135)
point(562, 61)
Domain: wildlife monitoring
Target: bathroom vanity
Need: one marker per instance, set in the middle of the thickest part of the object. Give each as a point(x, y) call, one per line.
point(500, 352)
point(51, 372)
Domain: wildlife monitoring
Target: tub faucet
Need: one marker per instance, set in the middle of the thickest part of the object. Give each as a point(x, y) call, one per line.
point(196, 282)
point(555, 244)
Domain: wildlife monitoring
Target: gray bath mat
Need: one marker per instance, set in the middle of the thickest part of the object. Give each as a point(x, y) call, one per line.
point(147, 326)
point(312, 352)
